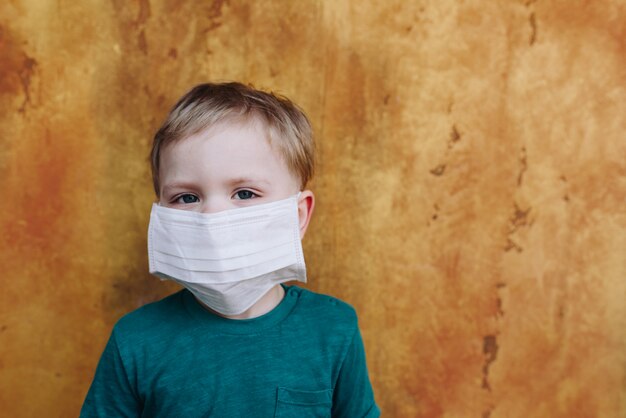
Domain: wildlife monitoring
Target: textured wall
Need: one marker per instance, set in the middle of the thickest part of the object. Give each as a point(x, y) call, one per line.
point(471, 186)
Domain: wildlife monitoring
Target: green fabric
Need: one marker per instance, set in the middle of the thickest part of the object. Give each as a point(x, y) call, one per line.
point(173, 358)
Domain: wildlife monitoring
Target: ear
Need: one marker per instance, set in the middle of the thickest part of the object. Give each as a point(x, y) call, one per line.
point(306, 204)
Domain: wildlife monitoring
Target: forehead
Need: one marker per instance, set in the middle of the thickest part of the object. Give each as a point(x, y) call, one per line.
point(232, 148)
point(229, 138)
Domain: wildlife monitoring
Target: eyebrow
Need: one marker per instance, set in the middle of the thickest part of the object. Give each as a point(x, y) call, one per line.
point(242, 180)
point(168, 187)
point(232, 182)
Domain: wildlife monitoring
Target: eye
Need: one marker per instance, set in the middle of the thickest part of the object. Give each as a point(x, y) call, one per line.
point(186, 199)
point(245, 194)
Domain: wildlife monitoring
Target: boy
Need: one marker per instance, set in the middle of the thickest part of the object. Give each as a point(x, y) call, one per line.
point(230, 165)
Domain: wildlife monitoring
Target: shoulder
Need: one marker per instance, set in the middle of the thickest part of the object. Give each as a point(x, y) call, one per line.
point(152, 318)
point(327, 311)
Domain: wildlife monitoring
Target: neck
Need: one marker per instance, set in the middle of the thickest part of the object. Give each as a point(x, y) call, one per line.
point(268, 301)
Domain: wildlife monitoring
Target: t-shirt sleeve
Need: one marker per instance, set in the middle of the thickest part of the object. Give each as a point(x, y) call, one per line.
point(111, 393)
point(353, 396)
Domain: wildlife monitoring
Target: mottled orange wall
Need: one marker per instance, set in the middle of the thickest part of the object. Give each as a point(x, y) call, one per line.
point(471, 186)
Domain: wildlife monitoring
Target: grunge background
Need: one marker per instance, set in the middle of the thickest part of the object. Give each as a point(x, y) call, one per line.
point(471, 186)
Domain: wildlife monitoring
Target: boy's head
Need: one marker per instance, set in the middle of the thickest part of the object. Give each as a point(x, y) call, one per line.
point(228, 145)
point(207, 105)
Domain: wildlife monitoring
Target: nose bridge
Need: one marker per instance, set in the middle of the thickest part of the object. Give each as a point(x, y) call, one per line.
point(213, 203)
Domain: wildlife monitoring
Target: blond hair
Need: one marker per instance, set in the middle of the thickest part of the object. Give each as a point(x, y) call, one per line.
point(208, 104)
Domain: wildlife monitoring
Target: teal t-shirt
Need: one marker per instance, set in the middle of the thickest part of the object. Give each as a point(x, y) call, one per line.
point(173, 358)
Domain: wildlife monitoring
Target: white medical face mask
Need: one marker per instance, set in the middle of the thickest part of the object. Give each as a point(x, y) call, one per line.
point(228, 259)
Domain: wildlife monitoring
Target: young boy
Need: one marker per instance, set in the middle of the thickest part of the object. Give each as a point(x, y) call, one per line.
point(230, 165)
